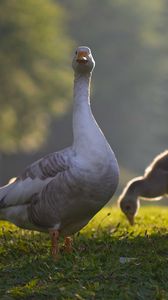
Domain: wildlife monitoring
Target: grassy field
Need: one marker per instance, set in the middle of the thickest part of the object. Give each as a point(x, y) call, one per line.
point(110, 260)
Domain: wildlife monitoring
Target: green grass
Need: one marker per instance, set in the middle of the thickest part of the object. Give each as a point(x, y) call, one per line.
point(94, 269)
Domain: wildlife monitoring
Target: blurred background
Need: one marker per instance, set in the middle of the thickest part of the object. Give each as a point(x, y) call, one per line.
point(129, 41)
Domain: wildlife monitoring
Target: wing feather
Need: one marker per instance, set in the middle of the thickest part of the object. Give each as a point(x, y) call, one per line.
point(35, 178)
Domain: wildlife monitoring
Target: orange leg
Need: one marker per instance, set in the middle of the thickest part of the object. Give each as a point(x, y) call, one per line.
point(68, 244)
point(54, 234)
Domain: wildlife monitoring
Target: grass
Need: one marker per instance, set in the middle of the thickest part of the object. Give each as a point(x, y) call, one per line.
point(101, 265)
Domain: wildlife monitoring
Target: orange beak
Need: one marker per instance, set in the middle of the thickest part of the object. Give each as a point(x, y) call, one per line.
point(130, 218)
point(82, 57)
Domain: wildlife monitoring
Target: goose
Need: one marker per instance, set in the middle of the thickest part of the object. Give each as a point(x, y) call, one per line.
point(153, 185)
point(62, 191)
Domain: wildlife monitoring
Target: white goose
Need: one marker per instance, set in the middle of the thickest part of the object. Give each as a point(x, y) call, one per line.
point(61, 192)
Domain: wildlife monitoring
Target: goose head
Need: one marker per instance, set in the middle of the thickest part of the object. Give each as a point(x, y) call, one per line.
point(129, 208)
point(83, 61)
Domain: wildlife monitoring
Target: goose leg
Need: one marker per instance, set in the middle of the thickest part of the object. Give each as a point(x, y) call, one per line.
point(54, 234)
point(68, 244)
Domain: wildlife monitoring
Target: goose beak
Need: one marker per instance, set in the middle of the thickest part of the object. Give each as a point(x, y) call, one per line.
point(130, 218)
point(82, 57)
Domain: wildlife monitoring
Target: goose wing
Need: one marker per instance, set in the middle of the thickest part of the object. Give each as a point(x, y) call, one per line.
point(34, 179)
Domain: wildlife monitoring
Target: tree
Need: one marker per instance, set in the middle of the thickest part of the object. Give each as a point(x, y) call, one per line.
point(35, 77)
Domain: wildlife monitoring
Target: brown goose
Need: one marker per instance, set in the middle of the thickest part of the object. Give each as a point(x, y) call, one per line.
point(61, 192)
point(152, 186)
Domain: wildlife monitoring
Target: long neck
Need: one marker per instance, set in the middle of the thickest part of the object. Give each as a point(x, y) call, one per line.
point(135, 189)
point(82, 89)
point(85, 127)
point(146, 188)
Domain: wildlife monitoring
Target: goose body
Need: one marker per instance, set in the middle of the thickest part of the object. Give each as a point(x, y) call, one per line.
point(64, 190)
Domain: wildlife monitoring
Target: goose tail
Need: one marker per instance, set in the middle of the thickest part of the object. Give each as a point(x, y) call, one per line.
point(5, 190)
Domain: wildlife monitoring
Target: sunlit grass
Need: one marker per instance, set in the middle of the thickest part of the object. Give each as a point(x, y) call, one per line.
point(98, 268)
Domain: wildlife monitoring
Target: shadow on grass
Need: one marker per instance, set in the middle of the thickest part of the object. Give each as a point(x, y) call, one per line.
point(93, 271)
